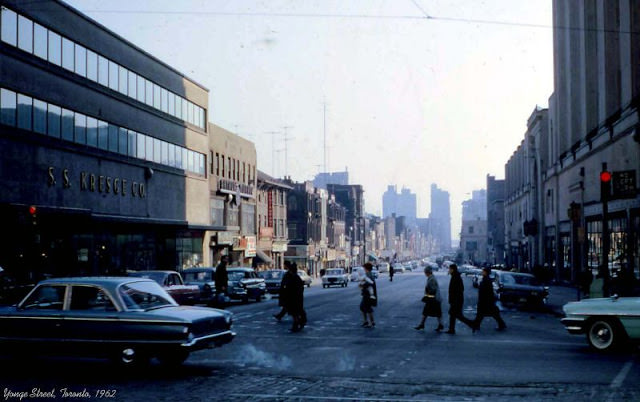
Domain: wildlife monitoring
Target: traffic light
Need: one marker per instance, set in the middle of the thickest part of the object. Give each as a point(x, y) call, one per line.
point(605, 184)
point(33, 213)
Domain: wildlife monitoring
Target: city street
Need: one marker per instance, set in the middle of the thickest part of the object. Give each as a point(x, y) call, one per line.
point(333, 358)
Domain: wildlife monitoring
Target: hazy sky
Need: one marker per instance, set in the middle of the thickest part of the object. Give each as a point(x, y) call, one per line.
point(410, 100)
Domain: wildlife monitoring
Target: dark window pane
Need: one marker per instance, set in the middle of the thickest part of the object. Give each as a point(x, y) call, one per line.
point(103, 135)
point(80, 135)
point(39, 116)
point(123, 80)
point(9, 27)
point(25, 34)
point(67, 125)
point(148, 92)
point(53, 120)
point(68, 54)
point(40, 41)
point(156, 96)
point(92, 66)
point(113, 75)
point(103, 71)
point(92, 132)
point(8, 107)
point(25, 111)
point(122, 140)
point(133, 85)
point(133, 144)
point(55, 48)
point(81, 60)
point(142, 140)
point(141, 89)
point(113, 138)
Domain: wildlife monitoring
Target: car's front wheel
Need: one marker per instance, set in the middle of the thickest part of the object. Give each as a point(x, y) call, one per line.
point(604, 335)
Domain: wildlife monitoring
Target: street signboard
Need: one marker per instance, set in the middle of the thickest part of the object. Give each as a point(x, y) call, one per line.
point(624, 184)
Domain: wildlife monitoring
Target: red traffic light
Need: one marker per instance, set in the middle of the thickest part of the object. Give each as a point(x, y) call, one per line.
point(32, 210)
point(605, 176)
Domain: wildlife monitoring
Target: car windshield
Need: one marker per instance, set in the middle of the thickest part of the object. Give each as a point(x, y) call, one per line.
point(200, 276)
point(144, 295)
point(156, 276)
point(271, 274)
point(235, 276)
point(526, 280)
point(334, 272)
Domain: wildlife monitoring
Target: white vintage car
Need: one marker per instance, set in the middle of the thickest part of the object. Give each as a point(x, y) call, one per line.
point(607, 322)
point(335, 277)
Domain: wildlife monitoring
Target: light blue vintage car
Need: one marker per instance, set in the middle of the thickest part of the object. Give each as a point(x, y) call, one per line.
point(607, 322)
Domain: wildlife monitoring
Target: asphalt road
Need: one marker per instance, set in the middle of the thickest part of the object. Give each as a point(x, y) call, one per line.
point(334, 358)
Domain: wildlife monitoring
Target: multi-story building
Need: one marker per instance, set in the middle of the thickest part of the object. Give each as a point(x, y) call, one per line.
point(232, 197)
point(473, 234)
point(352, 198)
point(495, 221)
point(440, 219)
point(336, 234)
point(593, 126)
point(104, 150)
point(271, 206)
point(402, 204)
point(322, 179)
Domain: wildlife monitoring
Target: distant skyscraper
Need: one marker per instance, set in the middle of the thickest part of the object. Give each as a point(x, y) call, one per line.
point(322, 179)
point(440, 218)
point(403, 204)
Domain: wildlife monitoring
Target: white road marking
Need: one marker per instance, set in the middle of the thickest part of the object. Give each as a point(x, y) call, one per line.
point(622, 375)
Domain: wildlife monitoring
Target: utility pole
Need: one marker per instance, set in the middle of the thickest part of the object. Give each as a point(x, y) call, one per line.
point(273, 151)
point(324, 132)
point(286, 140)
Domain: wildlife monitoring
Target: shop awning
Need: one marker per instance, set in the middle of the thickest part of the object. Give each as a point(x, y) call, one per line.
point(263, 257)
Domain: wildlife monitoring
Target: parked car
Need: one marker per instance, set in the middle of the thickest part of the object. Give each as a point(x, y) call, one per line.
point(272, 279)
point(383, 267)
point(356, 274)
point(172, 282)
point(519, 288)
point(335, 277)
point(204, 279)
point(306, 279)
point(607, 322)
point(398, 268)
point(127, 319)
point(247, 279)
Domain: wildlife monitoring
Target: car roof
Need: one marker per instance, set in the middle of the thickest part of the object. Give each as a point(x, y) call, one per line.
point(199, 269)
point(240, 269)
point(94, 280)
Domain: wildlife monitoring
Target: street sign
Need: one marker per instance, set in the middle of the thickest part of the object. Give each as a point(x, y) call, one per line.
point(624, 184)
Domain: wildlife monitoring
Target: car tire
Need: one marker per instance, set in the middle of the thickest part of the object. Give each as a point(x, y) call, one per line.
point(604, 334)
point(258, 298)
point(173, 358)
point(245, 299)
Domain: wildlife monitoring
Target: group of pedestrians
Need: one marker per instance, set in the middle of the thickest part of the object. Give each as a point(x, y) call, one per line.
point(291, 298)
point(486, 301)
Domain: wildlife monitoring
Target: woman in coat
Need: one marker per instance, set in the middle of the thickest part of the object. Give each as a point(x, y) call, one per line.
point(292, 295)
point(369, 296)
point(431, 299)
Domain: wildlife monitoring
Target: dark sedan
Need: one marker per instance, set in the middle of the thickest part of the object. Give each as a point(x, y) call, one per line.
point(272, 279)
point(127, 319)
point(247, 279)
point(519, 288)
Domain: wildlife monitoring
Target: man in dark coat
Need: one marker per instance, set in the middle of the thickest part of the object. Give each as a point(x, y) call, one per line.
point(292, 295)
point(456, 300)
point(221, 278)
point(487, 302)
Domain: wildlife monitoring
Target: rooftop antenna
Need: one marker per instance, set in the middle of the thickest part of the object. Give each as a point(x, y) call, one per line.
point(286, 140)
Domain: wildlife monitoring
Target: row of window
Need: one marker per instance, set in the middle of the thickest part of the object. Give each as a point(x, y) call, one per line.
point(230, 168)
point(31, 114)
point(19, 31)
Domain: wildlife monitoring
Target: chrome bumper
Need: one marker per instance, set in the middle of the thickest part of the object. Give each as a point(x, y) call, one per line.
point(575, 325)
point(213, 340)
